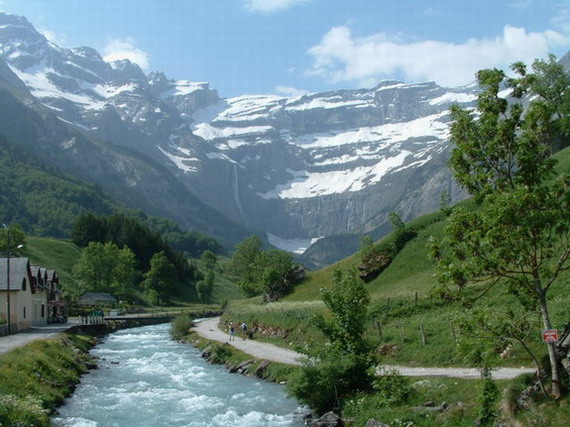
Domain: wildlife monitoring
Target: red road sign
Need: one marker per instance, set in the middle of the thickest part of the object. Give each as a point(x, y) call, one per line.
point(550, 335)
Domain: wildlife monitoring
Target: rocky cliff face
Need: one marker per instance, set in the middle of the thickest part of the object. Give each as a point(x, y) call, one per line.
point(298, 169)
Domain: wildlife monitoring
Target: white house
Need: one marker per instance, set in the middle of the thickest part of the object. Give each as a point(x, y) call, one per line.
point(18, 300)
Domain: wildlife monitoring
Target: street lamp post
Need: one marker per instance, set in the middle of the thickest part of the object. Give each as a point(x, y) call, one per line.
point(8, 250)
point(8, 324)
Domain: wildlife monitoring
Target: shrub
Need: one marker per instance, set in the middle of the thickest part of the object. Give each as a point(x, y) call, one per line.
point(393, 388)
point(325, 385)
point(180, 326)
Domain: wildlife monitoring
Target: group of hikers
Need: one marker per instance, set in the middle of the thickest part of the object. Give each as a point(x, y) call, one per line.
point(243, 328)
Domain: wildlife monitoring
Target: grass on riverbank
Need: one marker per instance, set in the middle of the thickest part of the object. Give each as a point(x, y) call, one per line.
point(36, 378)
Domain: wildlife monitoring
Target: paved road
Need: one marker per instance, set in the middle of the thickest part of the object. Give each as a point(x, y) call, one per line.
point(10, 342)
point(209, 329)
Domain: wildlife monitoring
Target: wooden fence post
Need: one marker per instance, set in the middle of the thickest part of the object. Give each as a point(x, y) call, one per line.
point(379, 330)
point(402, 333)
point(423, 334)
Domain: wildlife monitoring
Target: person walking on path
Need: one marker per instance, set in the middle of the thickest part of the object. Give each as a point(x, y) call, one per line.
point(232, 331)
point(244, 330)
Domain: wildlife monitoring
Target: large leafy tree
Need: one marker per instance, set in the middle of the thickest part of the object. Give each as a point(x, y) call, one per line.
point(519, 237)
point(243, 258)
point(160, 279)
point(103, 267)
point(259, 272)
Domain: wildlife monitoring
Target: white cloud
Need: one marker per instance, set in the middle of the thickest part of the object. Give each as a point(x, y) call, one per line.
point(340, 57)
point(290, 91)
point(125, 49)
point(270, 6)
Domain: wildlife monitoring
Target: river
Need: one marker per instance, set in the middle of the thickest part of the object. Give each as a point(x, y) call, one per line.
point(147, 379)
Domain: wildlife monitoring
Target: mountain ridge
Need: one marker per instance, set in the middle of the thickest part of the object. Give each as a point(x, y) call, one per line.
point(295, 169)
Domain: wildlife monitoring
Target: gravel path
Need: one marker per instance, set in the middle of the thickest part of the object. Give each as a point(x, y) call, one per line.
point(208, 329)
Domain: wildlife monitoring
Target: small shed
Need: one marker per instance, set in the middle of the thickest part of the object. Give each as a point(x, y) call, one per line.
point(97, 299)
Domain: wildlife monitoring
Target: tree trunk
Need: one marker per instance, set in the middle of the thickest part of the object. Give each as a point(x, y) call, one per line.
point(554, 364)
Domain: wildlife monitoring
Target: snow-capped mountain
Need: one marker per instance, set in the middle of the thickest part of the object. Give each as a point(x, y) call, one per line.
point(298, 169)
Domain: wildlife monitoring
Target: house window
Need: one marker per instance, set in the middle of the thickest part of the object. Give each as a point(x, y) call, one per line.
point(24, 312)
point(43, 311)
point(24, 285)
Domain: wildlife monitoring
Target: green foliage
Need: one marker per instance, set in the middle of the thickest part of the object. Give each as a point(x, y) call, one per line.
point(392, 388)
point(160, 277)
point(10, 238)
point(366, 246)
point(220, 353)
point(488, 396)
point(326, 385)
point(243, 258)
point(520, 237)
point(345, 325)
point(445, 203)
point(127, 231)
point(34, 379)
point(22, 411)
point(260, 272)
point(180, 326)
point(271, 274)
point(205, 287)
point(190, 242)
point(208, 260)
point(346, 364)
point(106, 268)
point(44, 201)
point(399, 235)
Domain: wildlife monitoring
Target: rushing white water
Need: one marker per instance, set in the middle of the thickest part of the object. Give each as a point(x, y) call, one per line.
point(147, 379)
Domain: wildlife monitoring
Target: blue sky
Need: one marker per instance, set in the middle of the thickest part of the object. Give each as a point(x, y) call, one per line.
point(294, 46)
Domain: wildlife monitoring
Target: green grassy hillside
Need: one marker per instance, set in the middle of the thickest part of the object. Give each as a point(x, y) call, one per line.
point(402, 304)
point(60, 255)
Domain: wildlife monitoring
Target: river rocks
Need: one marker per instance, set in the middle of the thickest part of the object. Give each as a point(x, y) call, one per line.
point(241, 368)
point(206, 353)
point(330, 419)
point(260, 371)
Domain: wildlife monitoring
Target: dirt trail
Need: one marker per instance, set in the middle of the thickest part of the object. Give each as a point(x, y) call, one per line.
point(209, 329)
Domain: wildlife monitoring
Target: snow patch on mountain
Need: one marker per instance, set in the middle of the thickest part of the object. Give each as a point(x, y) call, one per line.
point(38, 81)
point(331, 102)
point(209, 132)
point(181, 162)
point(296, 246)
point(108, 91)
point(313, 184)
point(453, 97)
